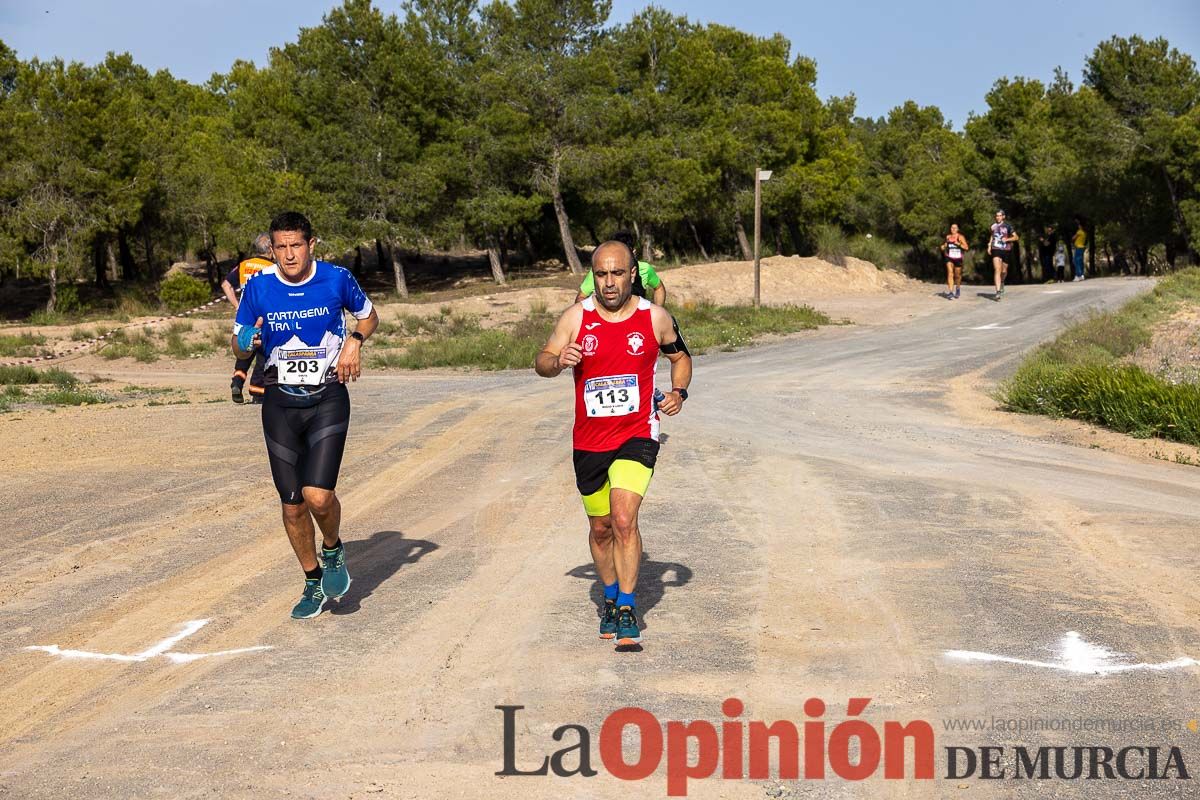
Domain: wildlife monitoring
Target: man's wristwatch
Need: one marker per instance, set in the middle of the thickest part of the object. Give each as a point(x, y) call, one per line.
point(681, 392)
point(357, 335)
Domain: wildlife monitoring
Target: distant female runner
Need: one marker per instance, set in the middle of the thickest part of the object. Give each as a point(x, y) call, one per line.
point(953, 248)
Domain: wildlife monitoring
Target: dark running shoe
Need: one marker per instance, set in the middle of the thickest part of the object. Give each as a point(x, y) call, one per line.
point(311, 602)
point(608, 620)
point(335, 578)
point(628, 632)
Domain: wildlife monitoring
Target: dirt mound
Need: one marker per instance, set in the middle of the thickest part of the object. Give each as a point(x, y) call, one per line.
point(784, 279)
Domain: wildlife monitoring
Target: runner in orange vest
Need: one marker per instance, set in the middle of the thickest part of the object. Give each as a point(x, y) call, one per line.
point(238, 276)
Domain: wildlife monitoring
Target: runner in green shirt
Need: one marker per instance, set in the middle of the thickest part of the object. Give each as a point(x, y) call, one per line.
point(644, 279)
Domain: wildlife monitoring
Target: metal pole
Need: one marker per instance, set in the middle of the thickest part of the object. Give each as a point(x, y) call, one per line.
point(757, 225)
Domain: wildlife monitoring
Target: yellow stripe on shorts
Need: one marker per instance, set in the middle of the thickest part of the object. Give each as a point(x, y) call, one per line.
point(623, 474)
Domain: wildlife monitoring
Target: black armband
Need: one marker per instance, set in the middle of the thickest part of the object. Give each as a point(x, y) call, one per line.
point(677, 346)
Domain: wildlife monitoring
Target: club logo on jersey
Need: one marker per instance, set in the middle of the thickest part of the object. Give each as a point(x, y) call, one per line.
point(590, 344)
point(636, 340)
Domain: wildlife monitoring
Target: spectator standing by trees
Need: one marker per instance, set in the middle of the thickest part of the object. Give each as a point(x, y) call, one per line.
point(1078, 247)
point(1046, 242)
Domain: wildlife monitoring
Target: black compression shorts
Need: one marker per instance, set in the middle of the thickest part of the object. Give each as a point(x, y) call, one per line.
point(591, 468)
point(305, 439)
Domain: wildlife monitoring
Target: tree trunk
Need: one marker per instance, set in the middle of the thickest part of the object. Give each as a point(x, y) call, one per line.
point(743, 242)
point(358, 261)
point(778, 231)
point(397, 262)
point(210, 261)
point(699, 244)
point(564, 223)
point(493, 251)
point(110, 256)
point(53, 300)
point(148, 243)
point(1091, 234)
point(794, 234)
point(1179, 220)
point(648, 242)
point(381, 259)
point(530, 251)
point(591, 229)
point(100, 260)
point(125, 256)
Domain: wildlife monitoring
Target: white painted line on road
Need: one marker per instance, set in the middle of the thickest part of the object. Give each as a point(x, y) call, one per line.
point(1053, 291)
point(160, 649)
point(1077, 656)
point(991, 326)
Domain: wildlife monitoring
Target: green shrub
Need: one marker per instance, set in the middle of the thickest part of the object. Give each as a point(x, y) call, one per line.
point(179, 292)
point(832, 244)
point(1124, 398)
point(880, 252)
point(22, 345)
point(73, 396)
point(708, 326)
point(1080, 374)
point(68, 301)
point(44, 317)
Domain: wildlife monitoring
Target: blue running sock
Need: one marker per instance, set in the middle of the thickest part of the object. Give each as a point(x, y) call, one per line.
point(625, 599)
point(610, 592)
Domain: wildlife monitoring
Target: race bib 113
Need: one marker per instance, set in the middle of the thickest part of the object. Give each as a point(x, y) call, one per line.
point(611, 396)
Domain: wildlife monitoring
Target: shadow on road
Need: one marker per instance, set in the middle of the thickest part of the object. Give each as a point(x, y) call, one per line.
point(651, 586)
point(375, 560)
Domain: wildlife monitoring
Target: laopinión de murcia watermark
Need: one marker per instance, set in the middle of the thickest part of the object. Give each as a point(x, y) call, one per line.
point(632, 744)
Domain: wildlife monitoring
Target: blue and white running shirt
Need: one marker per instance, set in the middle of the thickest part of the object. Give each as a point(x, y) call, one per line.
point(303, 324)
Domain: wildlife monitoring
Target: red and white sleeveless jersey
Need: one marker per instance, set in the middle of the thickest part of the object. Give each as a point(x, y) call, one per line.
point(614, 383)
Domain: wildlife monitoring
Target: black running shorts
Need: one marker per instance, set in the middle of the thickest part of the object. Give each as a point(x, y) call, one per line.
point(591, 469)
point(305, 439)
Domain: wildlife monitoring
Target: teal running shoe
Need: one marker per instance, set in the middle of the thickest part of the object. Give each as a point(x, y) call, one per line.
point(335, 578)
point(628, 632)
point(311, 602)
point(608, 620)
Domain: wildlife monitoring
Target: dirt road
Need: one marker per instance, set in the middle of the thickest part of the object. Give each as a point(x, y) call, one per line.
point(823, 523)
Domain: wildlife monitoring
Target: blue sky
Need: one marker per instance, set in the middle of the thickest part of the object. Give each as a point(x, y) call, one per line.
point(945, 54)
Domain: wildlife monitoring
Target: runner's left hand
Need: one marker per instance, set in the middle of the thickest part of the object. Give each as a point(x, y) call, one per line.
point(349, 365)
point(670, 404)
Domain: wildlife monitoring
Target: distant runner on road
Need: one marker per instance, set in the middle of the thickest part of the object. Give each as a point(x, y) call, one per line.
point(612, 341)
point(234, 283)
point(1000, 248)
point(295, 312)
point(644, 277)
point(953, 248)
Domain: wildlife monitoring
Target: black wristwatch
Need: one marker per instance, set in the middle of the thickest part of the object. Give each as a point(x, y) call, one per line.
point(359, 336)
point(681, 392)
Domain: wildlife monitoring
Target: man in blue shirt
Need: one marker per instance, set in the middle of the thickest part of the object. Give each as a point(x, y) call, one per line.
point(294, 311)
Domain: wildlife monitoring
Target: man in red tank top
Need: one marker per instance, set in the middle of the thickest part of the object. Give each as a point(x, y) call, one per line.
point(612, 341)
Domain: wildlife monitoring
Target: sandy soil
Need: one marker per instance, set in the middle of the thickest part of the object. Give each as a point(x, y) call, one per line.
point(1174, 350)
